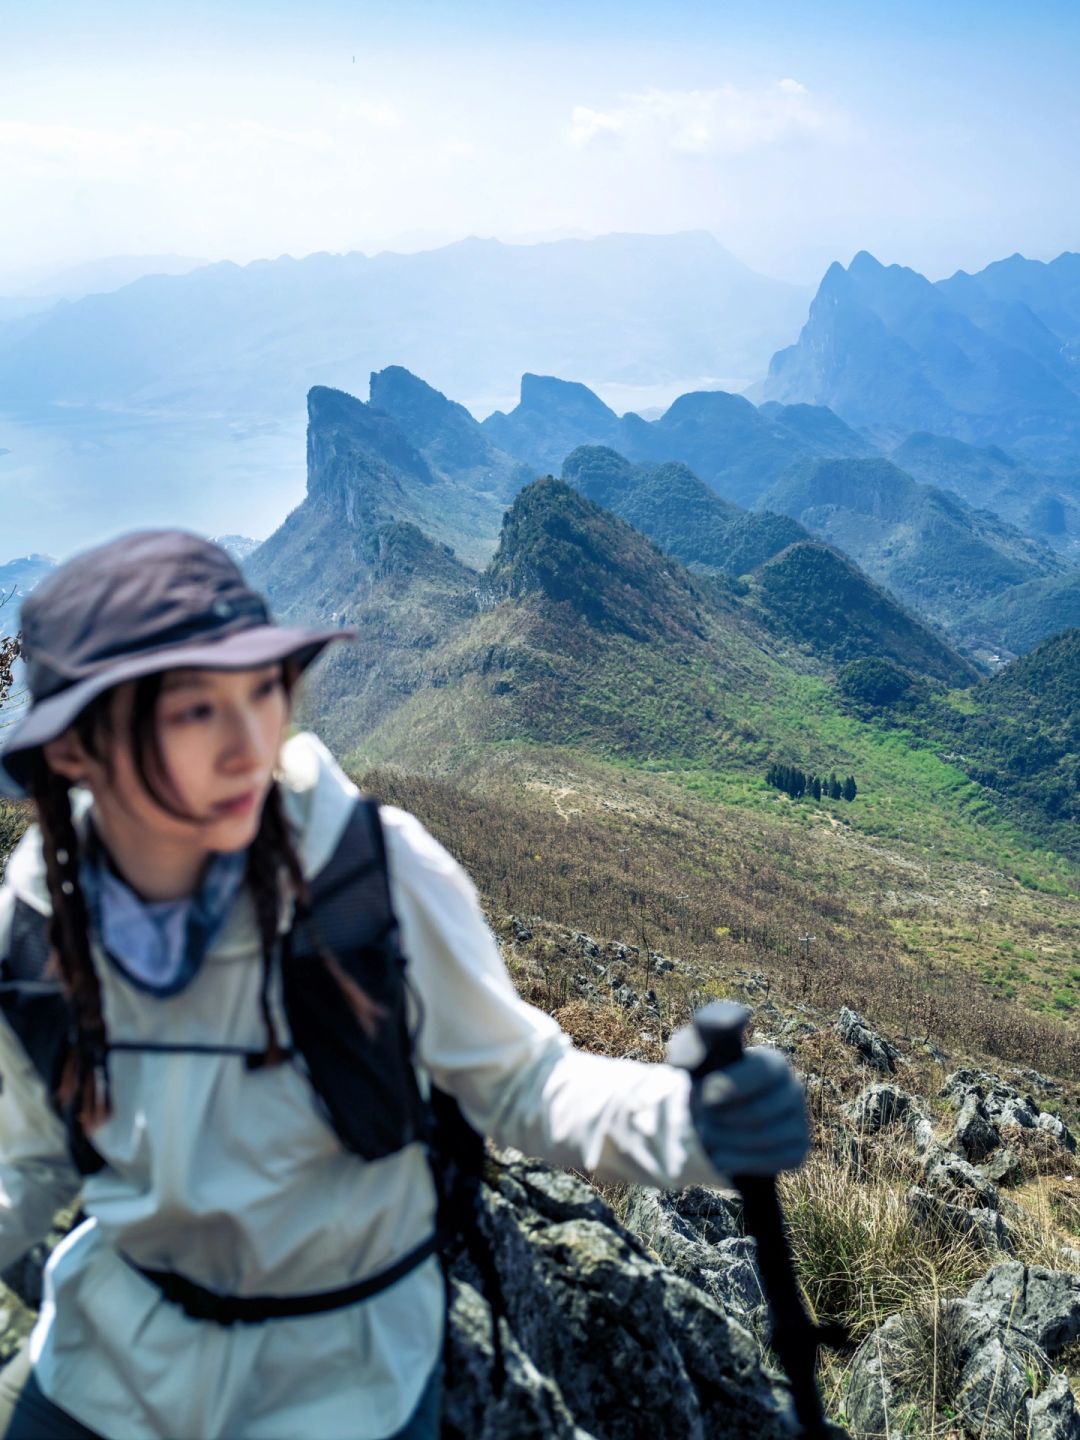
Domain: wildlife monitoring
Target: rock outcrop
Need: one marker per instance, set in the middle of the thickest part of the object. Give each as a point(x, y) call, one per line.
point(962, 1368)
point(602, 1341)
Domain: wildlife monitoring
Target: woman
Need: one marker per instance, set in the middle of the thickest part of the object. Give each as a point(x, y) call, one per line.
point(177, 833)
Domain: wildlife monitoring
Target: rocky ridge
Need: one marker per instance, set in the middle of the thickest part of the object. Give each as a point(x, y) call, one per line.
point(634, 1312)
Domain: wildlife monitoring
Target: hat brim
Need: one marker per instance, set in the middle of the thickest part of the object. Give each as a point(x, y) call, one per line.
point(243, 650)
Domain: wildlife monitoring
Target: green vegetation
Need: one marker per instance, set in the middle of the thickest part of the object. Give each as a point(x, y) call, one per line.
point(797, 783)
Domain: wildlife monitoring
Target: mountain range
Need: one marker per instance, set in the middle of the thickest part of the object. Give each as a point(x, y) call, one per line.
point(581, 631)
point(472, 316)
point(989, 359)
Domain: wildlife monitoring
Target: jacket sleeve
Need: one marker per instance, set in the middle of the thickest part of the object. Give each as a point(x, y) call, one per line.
point(37, 1176)
point(515, 1073)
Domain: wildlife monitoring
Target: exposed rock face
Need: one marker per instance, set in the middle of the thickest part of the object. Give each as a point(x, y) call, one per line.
point(974, 1136)
point(1002, 1104)
point(964, 1363)
point(698, 1234)
point(628, 1348)
point(984, 1228)
point(879, 1106)
point(872, 1047)
point(1043, 1305)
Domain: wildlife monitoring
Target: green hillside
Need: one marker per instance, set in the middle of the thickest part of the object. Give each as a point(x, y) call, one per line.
point(685, 517)
point(936, 553)
point(808, 592)
point(817, 596)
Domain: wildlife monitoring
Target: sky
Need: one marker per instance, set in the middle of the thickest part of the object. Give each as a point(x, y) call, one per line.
point(941, 135)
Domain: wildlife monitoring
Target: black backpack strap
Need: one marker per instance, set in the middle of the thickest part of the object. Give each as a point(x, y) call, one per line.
point(37, 1011)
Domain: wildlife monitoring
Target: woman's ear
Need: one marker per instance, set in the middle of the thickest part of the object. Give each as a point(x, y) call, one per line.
point(66, 756)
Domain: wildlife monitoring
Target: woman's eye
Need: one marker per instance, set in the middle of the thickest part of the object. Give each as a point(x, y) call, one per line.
point(192, 715)
point(268, 687)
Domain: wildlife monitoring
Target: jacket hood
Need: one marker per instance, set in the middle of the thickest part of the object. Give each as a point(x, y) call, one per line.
point(318, 798)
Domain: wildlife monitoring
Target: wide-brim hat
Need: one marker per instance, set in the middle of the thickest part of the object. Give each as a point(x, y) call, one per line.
point(154, 601)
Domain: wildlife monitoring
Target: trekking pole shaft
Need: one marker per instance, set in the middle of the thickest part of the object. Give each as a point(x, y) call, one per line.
point(719, 1030)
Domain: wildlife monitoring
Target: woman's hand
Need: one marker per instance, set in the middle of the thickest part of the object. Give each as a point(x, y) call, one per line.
point(751, 1116)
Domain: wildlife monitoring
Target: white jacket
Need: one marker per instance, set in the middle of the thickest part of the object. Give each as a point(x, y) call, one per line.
point(233, 1179)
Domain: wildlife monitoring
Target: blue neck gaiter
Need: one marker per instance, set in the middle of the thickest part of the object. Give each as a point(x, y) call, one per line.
point(158, 945)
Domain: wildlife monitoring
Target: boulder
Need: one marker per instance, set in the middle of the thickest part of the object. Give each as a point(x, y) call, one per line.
point(1005, 1105)
point(873, 1048)
point(974, 1136)
point(1042, 1304)
point(1058, 1129)
point(985, 1229)
point(949, 1176)
point(698, 1234)
point(621, 1345)
point(1004, 1167)
point(878, 1106)
point(985, 1382)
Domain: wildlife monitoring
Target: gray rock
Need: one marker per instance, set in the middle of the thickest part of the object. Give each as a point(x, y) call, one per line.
point(1004, 1168)
point(985, 1229)
point(955, 1179)
point(630, 1348)
point(973, 1135)
point(1058, 1129)
point(878, 1106)
point(963, 1362)
point(873, 1048)
point(1053, 1414)
point(1042, 1304)
point(1004, 1104)
point(697, 1233)
point(529, 1405)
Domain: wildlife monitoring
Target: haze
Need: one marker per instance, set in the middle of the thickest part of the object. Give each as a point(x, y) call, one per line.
point(936, 136)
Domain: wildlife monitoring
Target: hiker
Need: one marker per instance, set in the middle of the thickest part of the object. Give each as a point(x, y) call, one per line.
point(209, 1036)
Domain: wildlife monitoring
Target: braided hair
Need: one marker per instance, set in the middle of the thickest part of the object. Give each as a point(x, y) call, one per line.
point(82, 1088)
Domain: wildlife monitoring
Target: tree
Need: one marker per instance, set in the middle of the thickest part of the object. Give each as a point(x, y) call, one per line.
point(850, 788)
point(836, 790)
point(815, 788)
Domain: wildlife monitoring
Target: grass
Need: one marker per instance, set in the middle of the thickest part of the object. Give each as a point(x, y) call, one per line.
point(637, 855)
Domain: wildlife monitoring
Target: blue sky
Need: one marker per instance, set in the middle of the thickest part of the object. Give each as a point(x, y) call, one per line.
point(940, 136)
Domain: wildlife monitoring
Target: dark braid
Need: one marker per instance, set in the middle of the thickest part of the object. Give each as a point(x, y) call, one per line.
point(83, 1089)
point(270, 853)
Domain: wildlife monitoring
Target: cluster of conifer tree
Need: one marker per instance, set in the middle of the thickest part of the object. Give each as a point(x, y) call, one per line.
point(797, 783)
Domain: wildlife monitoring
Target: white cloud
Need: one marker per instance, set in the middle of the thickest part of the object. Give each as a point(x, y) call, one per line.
point(726, 120)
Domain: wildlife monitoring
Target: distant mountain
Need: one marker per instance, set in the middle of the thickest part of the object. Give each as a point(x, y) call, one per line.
point(1020, 736)
point(937, 554)
point(552, 418)
point(820, 599)
point(1019, 618)
point(446, 434)
point(248, 340)
point(584, 633)
point(91, 277)
point(805, 591)
point(677, 510)
point(737, 448)
point(238, 546)
point(968, 357)
point(17, 579)
point(363, 474)
point(989, 478)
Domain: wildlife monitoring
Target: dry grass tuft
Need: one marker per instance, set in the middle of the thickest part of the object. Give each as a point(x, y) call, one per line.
point(609, 1030)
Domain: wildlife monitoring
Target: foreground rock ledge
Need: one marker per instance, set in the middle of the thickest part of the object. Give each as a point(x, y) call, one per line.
point(602, 1342)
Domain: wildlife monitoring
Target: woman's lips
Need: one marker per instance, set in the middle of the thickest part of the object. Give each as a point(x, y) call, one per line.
point(239, 805)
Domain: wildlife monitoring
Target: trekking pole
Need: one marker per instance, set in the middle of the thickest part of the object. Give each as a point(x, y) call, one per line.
point(714, 1041)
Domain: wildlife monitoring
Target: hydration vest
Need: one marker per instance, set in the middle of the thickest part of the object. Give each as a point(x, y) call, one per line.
point(364, 1080)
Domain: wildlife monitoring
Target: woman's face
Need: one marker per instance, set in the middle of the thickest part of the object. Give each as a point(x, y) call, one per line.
point(219, 734)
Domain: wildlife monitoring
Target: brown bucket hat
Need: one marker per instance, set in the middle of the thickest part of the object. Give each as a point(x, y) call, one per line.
point(146, 602)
